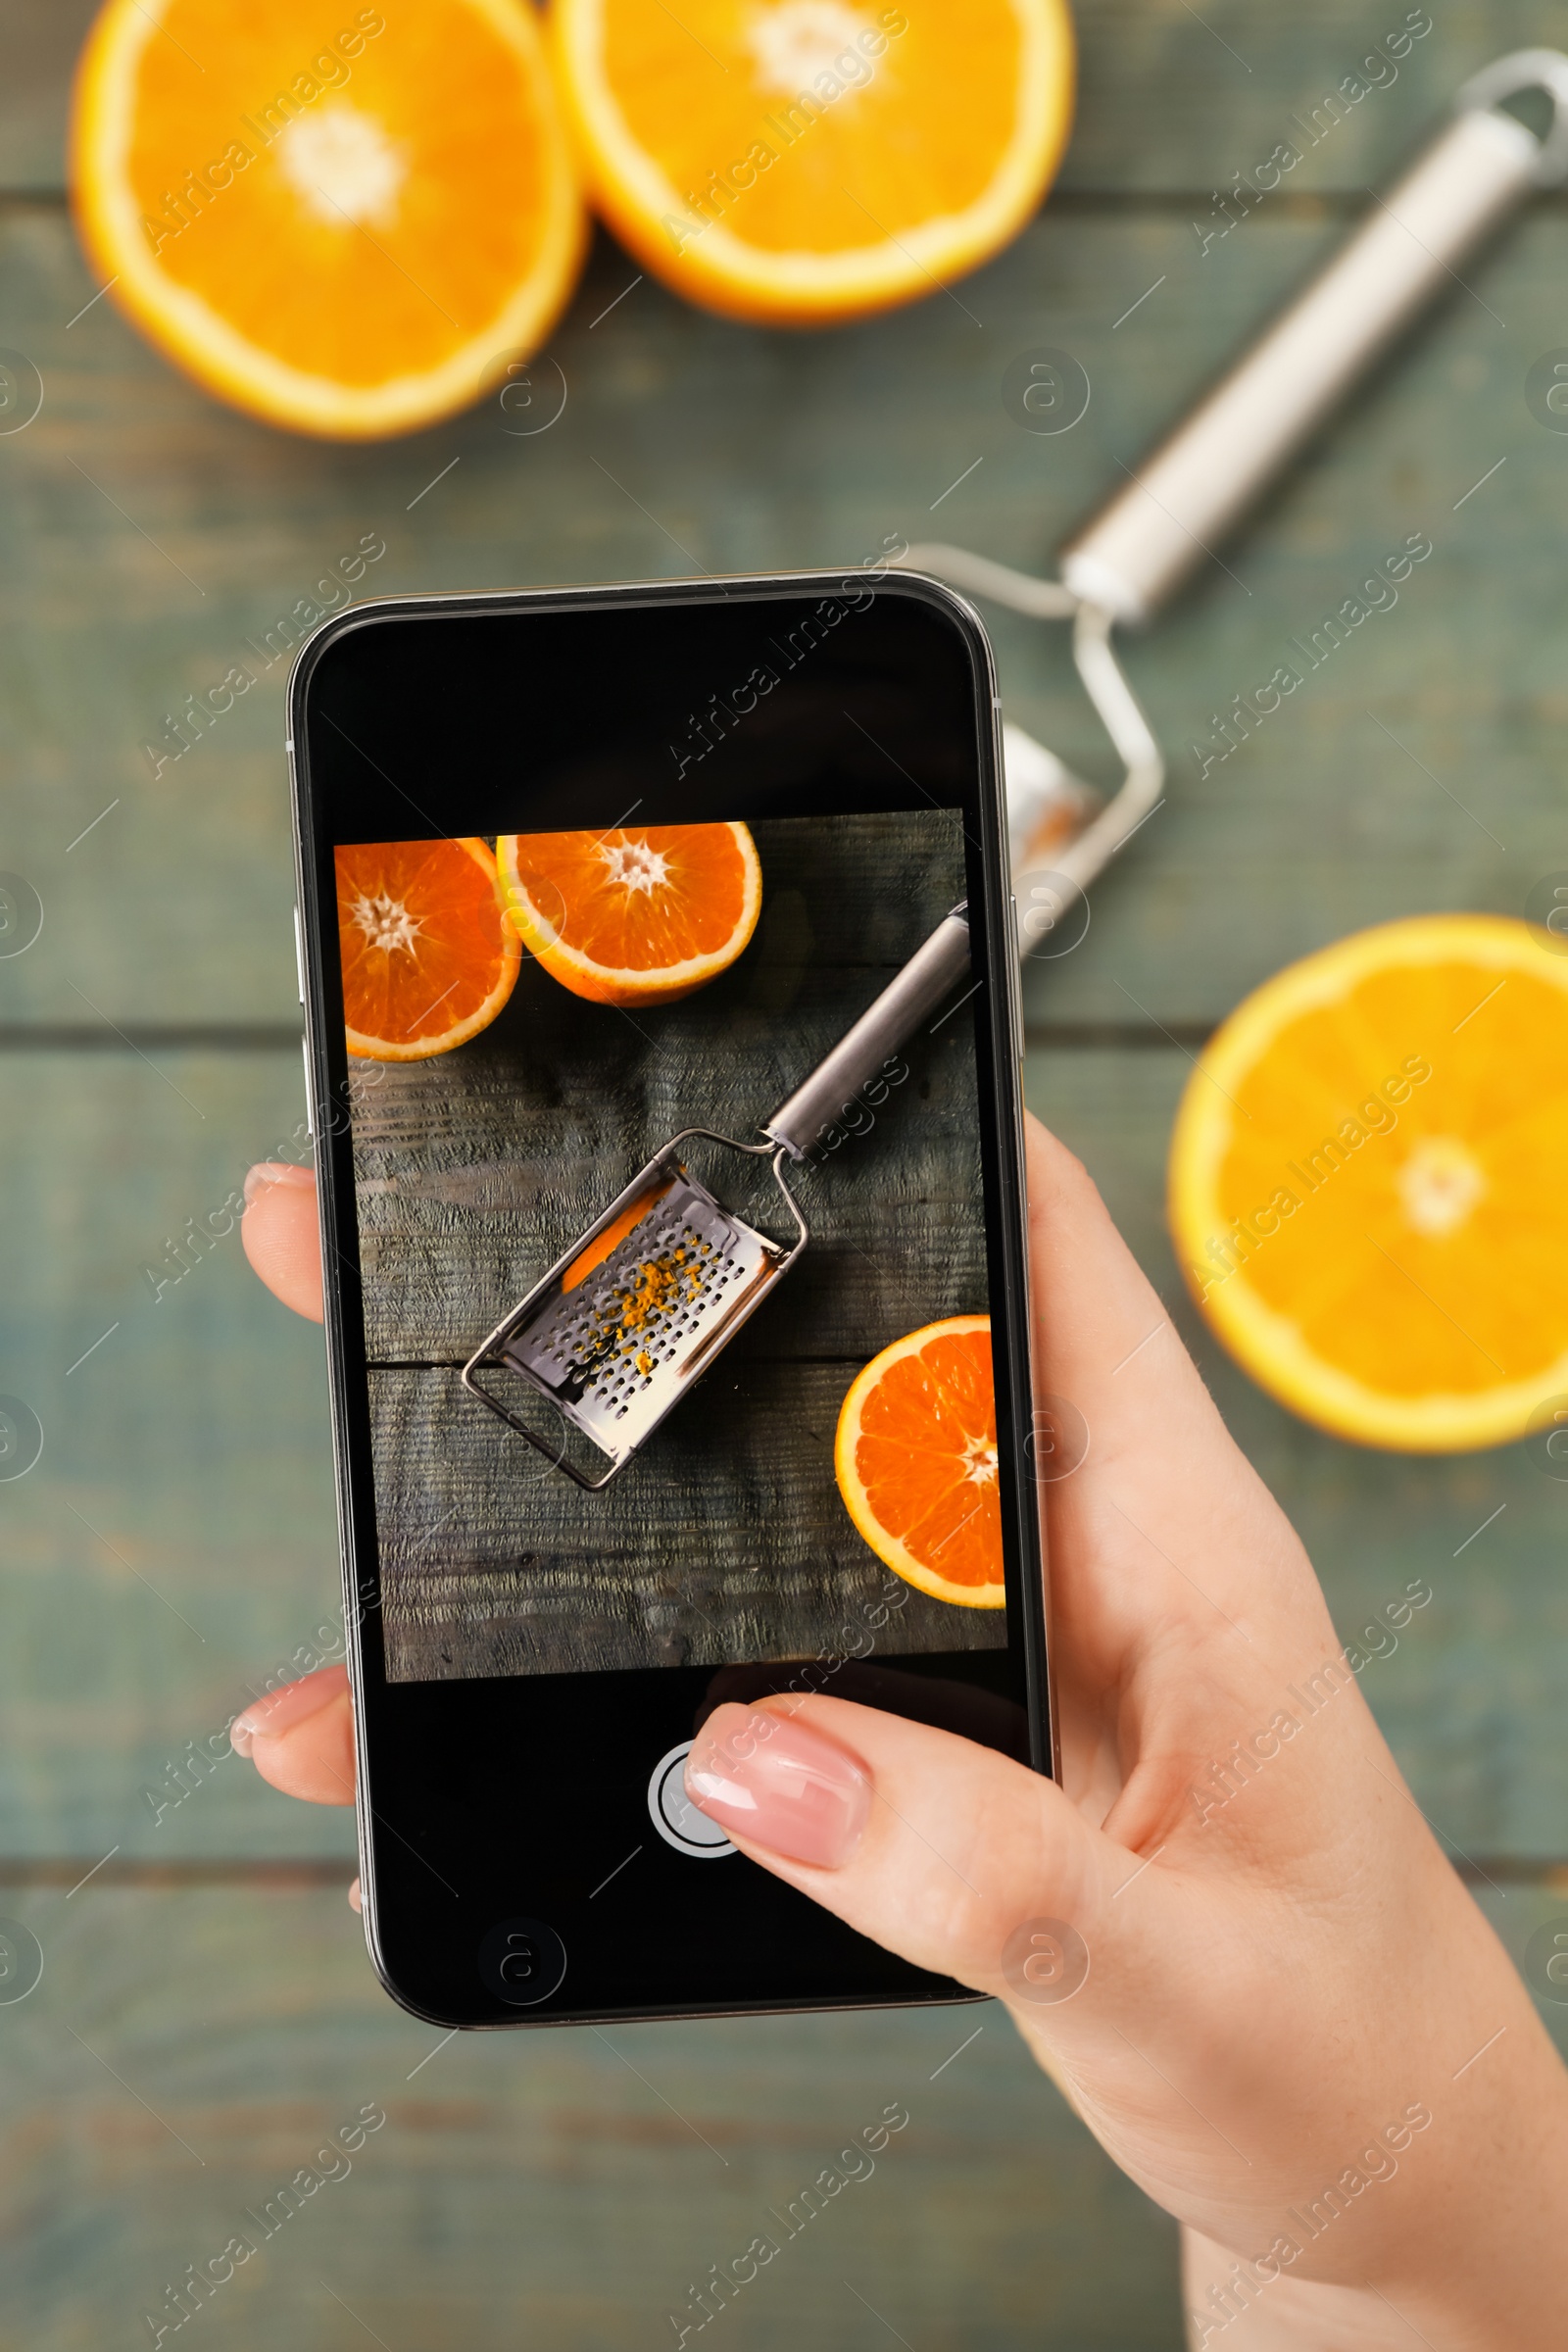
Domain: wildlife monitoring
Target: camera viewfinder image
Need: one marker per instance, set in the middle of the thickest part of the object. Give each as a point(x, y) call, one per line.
point(667, 1178)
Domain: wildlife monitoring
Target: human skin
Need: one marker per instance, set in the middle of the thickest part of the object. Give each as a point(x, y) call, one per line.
point(1278, 1985)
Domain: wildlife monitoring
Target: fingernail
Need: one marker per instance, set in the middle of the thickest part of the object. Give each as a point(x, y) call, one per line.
point(355, 1903)
point(268, 1172)
point(776, 1782)
point(280, 1710)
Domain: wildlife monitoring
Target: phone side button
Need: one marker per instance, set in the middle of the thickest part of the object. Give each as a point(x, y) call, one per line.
point(523, 1962)
point(299, 953)
point(1015, 966)
point(310, 1095)
point(677, 1819)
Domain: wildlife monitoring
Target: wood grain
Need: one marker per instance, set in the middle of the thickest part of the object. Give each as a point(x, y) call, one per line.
point(725, 1540)
point(804, 450)
point(174, 1547)
point(557, 2188)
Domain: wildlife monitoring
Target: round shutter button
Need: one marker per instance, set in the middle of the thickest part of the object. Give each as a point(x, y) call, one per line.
point(523, 1962)
point(679, 1822)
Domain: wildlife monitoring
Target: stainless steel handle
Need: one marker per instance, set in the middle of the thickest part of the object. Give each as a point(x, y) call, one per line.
point(932, 972)
point(1140, 546)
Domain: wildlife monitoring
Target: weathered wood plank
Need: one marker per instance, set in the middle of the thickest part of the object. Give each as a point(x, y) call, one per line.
point(1172, 101)
point(725, 1540)
point(174, 1547)
point(1313, 825)
point(42, 38)
point(531, 2188)
point(253, 2028)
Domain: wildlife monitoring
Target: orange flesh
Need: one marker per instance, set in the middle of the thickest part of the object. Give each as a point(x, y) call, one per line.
point(457, 120)
point(914, 132)
point(926, 1453)
point(428, 956)
point(634, 916)
point(1408, 1311)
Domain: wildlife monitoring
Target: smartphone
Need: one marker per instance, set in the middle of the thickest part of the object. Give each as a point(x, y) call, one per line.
point(662, 1056)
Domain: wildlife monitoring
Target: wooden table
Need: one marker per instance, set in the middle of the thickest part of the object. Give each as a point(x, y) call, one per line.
point(207, 2014)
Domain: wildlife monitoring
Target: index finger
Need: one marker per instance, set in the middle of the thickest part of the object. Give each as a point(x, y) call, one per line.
point(282, 1237)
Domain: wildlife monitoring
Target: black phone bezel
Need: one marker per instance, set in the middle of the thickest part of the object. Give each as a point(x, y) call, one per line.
point(845, 1971)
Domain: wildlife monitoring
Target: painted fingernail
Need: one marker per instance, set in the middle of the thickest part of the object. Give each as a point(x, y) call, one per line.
point(776, 1782)
point(268, 1172)
point(280, 1710)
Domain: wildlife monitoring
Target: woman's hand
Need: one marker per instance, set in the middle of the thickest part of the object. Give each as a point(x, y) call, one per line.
point(1229, 1936)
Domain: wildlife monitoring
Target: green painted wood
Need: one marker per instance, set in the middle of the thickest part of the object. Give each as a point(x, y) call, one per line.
point(569, 2189)
point(687, 442)
point(1173, 99)
point(174, 1548)
point(41, 42)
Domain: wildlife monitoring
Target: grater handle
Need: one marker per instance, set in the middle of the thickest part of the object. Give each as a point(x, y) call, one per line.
point(932, 972)
point(1167, 517)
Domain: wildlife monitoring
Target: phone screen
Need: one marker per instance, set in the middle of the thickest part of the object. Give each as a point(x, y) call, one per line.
point(678, 1330)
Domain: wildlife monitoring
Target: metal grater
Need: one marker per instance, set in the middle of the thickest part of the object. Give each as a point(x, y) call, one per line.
point(613, 1350)
point(634, 1312)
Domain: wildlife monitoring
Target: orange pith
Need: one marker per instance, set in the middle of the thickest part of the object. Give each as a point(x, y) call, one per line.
point(336, 219)
point(635, 915)
point(803, 160)
point(917, 1461)
point(583, 1265)
point(428, 956)
point(1366, 1183)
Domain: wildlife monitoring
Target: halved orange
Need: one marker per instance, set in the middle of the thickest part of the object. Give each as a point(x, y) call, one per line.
point(636, 916)
point(916, 1458)
point(338, 221)
point(798, 161)
point(1366, 1183)
point(428, 956)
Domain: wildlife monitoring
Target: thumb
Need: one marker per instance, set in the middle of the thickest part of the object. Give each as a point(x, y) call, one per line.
point(958, 1858)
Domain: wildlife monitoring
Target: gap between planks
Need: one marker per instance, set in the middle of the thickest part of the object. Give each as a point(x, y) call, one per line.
point(279, 1037)
point(228, 1870)
point(139, 1037)
point(326, 1870)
